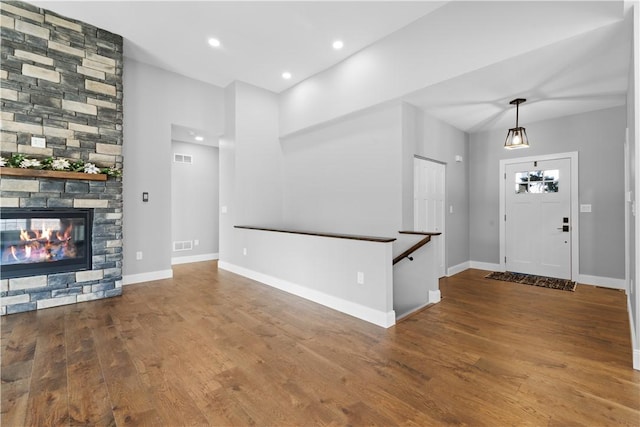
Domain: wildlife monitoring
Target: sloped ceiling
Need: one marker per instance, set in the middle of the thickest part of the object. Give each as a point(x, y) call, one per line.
point(579, 65)
point(259, 39)
point(576, 75)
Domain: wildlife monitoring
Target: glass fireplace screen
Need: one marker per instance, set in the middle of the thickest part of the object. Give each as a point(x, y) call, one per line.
point(43, 241)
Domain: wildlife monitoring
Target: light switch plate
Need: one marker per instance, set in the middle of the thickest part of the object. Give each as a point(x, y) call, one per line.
point(38, 142)
point(585, 208)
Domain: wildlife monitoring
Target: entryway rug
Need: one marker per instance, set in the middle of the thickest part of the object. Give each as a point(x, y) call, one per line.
point(530, 279)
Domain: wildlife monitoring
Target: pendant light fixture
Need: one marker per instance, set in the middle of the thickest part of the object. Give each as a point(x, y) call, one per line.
point(517, 136)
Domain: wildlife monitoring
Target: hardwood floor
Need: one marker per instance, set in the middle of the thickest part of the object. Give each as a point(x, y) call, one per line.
point(212, 348)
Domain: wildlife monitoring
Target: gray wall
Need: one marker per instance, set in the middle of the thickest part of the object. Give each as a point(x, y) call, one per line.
point(259, 157)
point(154, 100)
point(323, 270)
point(250, 165)
point(598, 137)
point(345, 176)
point(414, 282)
point(440, 141)
point(227, 175)
point(632, 125)
point(194, 199)
point(355, 175)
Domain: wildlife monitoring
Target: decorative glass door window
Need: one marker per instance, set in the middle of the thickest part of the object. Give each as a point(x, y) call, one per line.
point(537, 181)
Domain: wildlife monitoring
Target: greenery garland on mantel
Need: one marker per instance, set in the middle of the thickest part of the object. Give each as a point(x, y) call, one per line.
point(57, 164)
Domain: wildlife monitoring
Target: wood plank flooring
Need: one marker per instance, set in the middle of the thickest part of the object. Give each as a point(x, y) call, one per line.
point(211, 348)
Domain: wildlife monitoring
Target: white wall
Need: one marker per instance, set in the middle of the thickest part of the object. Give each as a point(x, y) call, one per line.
point(194, 202)
point(154, 99)
point(345, 177)
point(598, 137)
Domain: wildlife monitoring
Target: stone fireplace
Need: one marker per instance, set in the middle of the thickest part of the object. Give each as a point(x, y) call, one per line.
point(61, 93)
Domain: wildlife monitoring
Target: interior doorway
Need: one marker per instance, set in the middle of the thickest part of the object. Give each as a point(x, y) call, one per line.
point(194, 195)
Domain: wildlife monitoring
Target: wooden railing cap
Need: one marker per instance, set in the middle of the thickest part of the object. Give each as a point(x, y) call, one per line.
point(319, 234)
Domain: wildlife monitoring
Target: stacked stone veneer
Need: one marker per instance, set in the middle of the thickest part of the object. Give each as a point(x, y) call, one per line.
point(62, 79)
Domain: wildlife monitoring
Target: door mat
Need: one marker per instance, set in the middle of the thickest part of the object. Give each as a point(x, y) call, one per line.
point(530, 279)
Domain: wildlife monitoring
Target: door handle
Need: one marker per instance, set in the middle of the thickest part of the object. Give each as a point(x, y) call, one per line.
point(564, 228)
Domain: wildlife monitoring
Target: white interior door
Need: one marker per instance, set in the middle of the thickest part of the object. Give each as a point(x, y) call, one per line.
point(538, 218)
point(428, 203)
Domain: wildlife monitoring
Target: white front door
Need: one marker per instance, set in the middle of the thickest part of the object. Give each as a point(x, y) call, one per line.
point(428, 203)
point(538, 218)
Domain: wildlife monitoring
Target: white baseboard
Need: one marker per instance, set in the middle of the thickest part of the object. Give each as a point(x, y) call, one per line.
point(485, 266)
point(605, 282)
point(635, 347)
point(130, 279)
point(473, 264)
point(410, 312)
point(370, 315)
point(193, 258)
point(458, 268)
point(434, 298)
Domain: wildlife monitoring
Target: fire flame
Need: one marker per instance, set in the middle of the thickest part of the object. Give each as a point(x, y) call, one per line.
point(42, 246)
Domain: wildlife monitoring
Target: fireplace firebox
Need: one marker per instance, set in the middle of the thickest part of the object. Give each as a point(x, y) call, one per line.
point(44, 241)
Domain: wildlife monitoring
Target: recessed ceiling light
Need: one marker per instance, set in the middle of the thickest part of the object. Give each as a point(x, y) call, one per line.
point(199, 138)
point(213, 42)
point(286, 75)
point(337, 45)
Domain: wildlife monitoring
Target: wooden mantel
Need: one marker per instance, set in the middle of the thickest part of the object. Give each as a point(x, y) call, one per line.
point(38, 173)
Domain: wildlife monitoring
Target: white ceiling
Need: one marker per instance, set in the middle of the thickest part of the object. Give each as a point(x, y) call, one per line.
point(260, 40)
point(184, 134)
point(576, 75)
